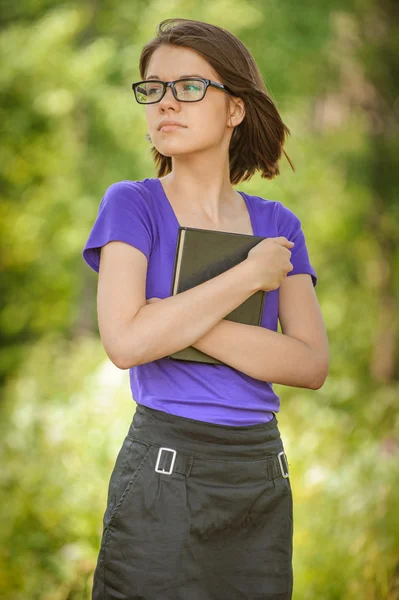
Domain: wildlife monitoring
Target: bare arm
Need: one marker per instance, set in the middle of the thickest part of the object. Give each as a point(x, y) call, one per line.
point(176, 322)
point(298, 357)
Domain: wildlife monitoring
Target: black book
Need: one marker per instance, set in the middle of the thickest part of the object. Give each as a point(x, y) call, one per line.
point(202, 254)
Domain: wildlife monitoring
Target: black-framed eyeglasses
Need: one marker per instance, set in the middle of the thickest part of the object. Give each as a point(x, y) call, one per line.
point(184, 90)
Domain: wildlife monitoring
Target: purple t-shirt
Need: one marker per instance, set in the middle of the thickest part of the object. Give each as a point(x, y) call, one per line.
point(139, 213)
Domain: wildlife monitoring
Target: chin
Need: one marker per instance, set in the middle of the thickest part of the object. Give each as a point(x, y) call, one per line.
point(168, 151)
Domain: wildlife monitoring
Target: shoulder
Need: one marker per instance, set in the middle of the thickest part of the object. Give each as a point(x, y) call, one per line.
point(288, 222)
point(128, 198)
point(275, 210)
point(127, 190)
point(263, 205)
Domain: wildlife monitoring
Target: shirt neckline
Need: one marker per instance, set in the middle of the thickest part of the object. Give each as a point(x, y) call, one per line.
point(247, 200)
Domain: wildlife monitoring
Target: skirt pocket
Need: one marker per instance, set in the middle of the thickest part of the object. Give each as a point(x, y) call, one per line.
point(128, 464)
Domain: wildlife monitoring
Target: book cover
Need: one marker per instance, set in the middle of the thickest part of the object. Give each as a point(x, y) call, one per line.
point(202, 254)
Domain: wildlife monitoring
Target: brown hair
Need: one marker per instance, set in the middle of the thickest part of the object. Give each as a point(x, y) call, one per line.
point(257, 142)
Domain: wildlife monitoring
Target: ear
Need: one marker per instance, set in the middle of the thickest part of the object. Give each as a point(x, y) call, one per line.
point(236, 111)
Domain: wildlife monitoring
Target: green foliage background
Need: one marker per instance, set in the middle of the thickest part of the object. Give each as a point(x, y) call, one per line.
point(70, 128)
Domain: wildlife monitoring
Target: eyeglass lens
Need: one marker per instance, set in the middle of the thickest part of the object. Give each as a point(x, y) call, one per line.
point(188, 90)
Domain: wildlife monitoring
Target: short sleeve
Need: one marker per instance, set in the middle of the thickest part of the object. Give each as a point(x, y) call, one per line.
point(289, 225)
point(124, 214)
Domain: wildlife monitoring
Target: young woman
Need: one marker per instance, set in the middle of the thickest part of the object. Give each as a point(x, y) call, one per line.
point(199, 502)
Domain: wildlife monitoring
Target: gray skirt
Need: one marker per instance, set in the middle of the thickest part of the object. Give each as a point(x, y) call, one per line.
point(197, 511)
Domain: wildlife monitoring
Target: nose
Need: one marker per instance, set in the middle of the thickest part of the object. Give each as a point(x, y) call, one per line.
point(168, 97)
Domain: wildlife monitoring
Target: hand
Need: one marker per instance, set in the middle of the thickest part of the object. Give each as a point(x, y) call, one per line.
point(271, 260)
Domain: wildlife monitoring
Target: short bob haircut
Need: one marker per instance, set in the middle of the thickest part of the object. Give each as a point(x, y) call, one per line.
point(257, 142)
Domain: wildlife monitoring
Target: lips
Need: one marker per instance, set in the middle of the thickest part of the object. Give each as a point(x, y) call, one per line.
point(169, 128)
point(167, 123)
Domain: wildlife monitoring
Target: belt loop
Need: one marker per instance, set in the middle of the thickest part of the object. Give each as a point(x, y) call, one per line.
point(190, 464)
point(267, 467)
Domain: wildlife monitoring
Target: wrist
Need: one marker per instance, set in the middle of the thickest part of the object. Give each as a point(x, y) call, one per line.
point(250, 275)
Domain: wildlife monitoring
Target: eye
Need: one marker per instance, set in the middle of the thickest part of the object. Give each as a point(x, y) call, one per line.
point(192, 86)
point(153, 90)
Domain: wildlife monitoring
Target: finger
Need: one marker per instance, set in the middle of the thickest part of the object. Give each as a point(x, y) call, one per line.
point(283, 241)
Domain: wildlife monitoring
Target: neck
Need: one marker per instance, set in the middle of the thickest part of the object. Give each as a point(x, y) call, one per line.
point(210, 196)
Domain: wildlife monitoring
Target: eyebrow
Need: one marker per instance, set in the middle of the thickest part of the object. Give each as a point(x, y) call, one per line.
point(181, 76)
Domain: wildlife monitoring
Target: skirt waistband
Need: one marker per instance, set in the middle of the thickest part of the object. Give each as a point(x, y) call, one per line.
point(203, 438)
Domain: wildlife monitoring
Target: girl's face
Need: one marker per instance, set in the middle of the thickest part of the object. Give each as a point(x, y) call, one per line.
point(204, 123)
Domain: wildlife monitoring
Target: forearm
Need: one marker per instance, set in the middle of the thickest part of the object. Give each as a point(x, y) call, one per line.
point(263, 354)
point(175, 322)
